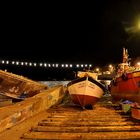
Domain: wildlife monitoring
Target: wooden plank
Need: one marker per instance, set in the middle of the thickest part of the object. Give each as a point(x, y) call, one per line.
point(85, 129)
point(104, 119)
point(84, 116)
point(96, 123)
point(84, 136)
point(17, 113)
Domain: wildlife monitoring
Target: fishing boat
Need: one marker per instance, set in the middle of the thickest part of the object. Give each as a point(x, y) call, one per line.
point(126, 83)
point(18, 87)
point(135, 111)
point(85, 90)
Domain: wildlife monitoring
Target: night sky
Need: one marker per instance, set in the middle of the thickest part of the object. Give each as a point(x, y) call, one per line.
point(72, 34)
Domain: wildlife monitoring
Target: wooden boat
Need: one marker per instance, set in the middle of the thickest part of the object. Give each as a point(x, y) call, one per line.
point(126, 83)
point(85, 90)
point(18, 87)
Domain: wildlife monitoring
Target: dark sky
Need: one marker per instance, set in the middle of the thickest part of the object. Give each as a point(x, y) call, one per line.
point(71, 34)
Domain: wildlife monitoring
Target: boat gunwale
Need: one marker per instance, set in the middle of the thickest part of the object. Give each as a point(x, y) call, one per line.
point(89, 79)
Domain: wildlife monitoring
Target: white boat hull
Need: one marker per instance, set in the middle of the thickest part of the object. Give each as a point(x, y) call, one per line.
point(85, 91)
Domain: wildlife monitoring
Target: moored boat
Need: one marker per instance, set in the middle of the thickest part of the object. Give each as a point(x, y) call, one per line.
point(126, 83)
point(135, 111)
point(85, 90)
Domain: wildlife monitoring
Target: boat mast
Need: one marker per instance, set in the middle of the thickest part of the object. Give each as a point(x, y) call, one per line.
point(125, 55)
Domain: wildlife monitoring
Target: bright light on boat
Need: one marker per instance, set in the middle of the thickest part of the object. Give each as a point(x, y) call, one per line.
point(110, 66)
point(138, 63)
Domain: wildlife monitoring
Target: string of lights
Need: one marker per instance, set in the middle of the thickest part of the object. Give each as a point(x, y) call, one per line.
point(44, 64)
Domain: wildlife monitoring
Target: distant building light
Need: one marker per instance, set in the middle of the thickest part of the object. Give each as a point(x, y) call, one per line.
point(86, 65)
point(26, 63)
point(30, 64)
point(34, 64)
point(40, 64)
point(2, 61)
point(90, 65)
point(7, 62)
point(62, 65)
point(22, 63)
point(17, 63)
point(45, 65)
point(77, 65)
point(66, 65)
point(97, 69)
point(57, 65)
point(13, 62)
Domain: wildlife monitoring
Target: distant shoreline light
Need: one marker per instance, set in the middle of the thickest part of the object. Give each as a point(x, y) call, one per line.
point(45, 65)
